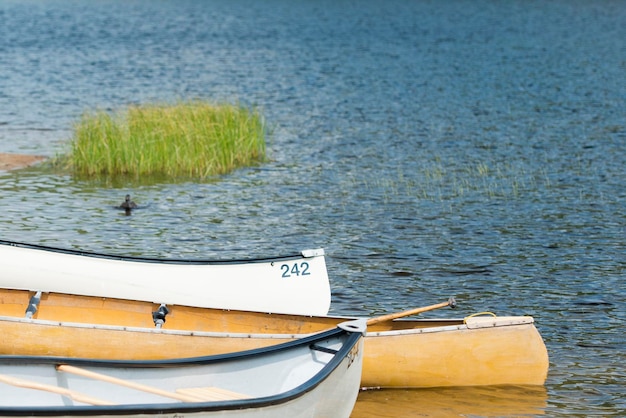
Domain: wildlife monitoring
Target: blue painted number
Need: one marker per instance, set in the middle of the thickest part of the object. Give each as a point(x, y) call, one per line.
point(295, 269)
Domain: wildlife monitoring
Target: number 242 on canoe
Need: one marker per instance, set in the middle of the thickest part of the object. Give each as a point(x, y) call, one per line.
point(295, 269)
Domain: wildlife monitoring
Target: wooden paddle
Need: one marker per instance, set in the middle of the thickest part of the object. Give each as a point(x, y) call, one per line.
point(144, 388)
point(451, 303)
point(29, 384)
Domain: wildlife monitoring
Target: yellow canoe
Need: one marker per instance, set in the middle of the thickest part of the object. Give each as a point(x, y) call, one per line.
point(472, 351)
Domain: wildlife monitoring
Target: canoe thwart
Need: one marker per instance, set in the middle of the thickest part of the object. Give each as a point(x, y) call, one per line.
point(212, 393)
point(126, 383)
point(323, 349)
point(72, 394)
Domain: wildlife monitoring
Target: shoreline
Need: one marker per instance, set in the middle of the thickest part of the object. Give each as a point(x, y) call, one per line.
point(10, 161)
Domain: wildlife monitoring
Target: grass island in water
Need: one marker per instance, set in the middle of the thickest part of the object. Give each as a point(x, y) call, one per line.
point(188, 139)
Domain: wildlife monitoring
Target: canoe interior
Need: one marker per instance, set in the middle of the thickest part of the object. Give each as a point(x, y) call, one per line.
point(106, 311)
point(279, 372)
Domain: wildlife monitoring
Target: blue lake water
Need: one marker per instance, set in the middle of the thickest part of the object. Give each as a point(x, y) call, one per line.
point(474, 149)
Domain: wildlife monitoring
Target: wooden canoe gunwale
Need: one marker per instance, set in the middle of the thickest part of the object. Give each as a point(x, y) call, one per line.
point(353, 337)
point(497, 322)
point(175, 362)
point(156, 331)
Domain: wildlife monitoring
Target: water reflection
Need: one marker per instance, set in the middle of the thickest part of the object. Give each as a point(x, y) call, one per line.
point(483, 401)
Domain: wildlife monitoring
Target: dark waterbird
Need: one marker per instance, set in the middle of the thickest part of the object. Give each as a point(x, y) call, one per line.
point(128, 205)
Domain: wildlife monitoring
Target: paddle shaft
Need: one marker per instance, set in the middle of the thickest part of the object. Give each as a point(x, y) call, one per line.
point(28, 384)
point(451, 302)
point(144, 388)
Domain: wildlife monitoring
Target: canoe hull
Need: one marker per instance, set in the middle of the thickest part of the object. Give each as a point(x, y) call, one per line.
point(481, 351)
point(296, 284)
point(317, 376)
point(404, 353)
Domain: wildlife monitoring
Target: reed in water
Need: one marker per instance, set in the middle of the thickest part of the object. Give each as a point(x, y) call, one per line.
point(188, 139)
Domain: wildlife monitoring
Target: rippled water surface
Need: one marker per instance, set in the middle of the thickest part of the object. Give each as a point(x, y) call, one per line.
point(474, 149)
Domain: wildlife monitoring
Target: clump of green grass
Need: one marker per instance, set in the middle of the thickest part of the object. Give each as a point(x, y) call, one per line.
point(188, 139)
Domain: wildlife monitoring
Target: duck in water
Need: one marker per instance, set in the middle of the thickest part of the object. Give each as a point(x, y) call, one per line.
point(128, 204)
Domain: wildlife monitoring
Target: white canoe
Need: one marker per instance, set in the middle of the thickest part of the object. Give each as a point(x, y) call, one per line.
point(295, 284)
point(317, 376)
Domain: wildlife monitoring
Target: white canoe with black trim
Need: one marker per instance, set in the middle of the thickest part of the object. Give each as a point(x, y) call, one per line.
point(293, 284)
point(316, 376)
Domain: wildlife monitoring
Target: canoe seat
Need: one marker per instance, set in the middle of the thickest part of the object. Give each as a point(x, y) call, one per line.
point(212, 393)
